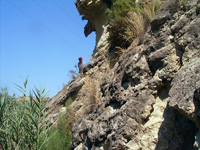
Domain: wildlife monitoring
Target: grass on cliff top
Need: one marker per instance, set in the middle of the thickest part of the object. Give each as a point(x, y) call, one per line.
point(129, 19)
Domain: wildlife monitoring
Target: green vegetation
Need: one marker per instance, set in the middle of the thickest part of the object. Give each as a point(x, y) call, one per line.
point(60, 137)
point(129, 19)
point(116, 20)
point(139, 19)
point(22, 125)
point(21, 120)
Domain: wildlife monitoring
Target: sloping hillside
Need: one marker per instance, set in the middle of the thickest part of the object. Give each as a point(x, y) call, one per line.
point(147, 96)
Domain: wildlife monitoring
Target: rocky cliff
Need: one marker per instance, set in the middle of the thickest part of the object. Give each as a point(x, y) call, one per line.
point(150, 98)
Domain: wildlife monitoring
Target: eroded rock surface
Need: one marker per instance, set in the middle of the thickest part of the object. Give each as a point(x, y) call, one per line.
point(94, 12)
point(150, 99)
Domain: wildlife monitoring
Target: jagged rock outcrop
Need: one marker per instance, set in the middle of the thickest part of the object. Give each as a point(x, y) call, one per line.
point(94, 12)
point(150, 98)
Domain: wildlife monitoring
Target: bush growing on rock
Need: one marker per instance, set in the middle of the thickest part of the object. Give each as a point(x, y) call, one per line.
point(60, 136)
point(129, 19)
point(116, 14)
point(137, 20)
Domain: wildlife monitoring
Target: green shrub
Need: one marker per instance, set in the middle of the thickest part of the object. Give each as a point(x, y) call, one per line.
point(138, 20)
point(60, 137)
point(116, 15)
point(129, 19)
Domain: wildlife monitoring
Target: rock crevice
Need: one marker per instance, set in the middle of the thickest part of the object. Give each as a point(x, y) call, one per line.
point(150, 98)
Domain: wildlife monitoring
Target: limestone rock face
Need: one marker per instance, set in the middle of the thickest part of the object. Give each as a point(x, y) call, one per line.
point(56, 104)
point(150, 99)
point(94, 12)
point(187, 81)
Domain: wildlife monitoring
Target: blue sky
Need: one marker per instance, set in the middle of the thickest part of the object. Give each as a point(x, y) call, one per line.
point(41, 40)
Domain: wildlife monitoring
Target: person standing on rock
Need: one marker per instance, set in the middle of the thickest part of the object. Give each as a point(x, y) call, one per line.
point(81, 65)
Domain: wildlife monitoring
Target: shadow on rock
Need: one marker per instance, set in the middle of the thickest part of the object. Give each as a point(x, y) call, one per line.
point(177, 132)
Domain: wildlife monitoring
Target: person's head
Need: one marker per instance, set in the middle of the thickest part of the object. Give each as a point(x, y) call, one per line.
point(80, 59)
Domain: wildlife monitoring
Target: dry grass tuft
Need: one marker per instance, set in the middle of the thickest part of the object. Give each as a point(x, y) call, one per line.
point(134, 26)
point(138, 20)
point(120, 50)
point(92, 87)
point(73, 72)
